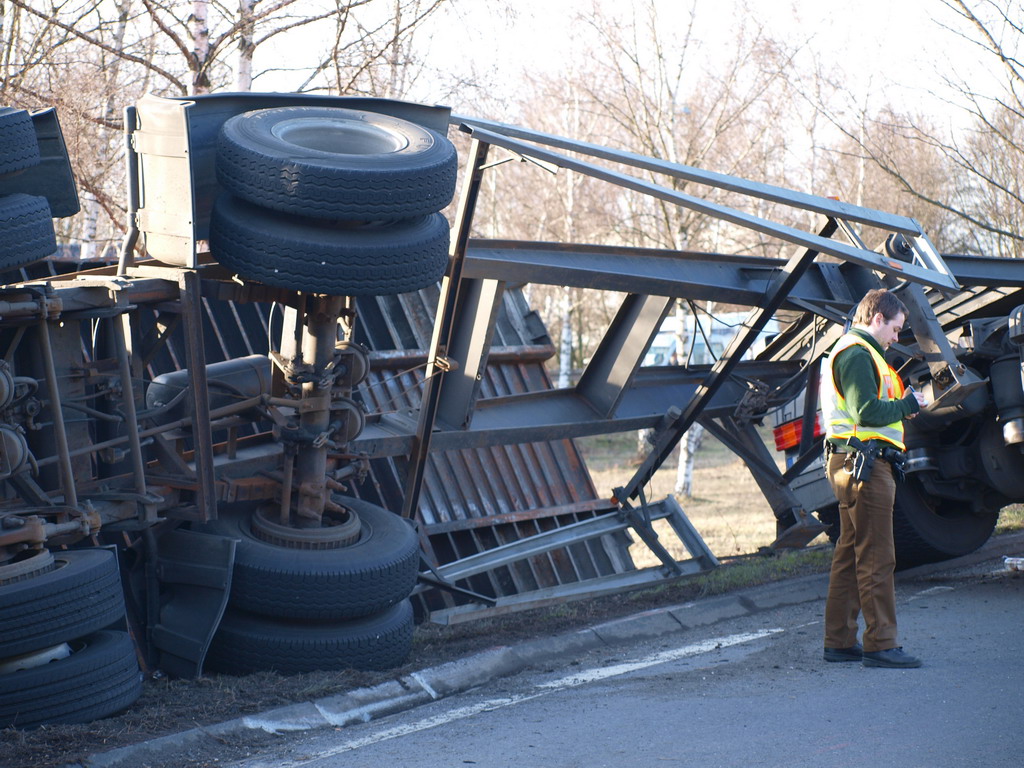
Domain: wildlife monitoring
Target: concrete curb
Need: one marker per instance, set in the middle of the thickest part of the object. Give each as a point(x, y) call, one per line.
point(433, 683)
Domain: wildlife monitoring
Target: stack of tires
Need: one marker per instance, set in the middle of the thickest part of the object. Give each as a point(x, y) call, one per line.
point(333, 201)
point(26, 226)
point(318, 599)
point(59, 661)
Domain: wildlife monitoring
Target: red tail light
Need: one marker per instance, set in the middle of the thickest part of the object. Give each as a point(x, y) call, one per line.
point(788, 435)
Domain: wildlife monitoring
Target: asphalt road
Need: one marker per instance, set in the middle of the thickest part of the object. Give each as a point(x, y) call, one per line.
point(746, 691)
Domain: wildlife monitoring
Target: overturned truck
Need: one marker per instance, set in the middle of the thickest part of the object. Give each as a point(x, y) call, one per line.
point(304, 409)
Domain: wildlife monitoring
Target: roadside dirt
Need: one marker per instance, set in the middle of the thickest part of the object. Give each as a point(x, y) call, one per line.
point(170, 706)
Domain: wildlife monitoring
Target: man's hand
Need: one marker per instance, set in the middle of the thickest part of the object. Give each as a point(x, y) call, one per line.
point(922, 401)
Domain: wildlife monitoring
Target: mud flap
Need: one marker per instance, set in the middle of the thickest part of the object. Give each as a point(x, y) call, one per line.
point(194, 573)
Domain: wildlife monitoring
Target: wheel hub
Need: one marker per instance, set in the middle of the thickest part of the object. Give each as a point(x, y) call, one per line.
point(337, 530)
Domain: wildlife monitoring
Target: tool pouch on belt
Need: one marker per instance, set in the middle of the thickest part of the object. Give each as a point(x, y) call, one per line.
point(896, 459)
point(863, 463)
point(864, 456)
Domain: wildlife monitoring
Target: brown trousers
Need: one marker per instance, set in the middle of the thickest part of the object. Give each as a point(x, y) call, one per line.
point(861, 580)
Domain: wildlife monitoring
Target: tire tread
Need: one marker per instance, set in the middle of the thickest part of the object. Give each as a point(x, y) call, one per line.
point(309, 256)
point(101, 679)
point(245, 643)
point(19, 148)
point(26, 230)
point(82, 596)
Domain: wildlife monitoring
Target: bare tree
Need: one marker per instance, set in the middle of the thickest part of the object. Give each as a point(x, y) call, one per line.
point(641, 83)
point(376, 55)
point(90, 58)
point(658, 95)
point(890, 161)
point(964, 177)
point(195, 36)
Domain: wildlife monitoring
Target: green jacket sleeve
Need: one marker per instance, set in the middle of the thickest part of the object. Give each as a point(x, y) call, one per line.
point(857, 380)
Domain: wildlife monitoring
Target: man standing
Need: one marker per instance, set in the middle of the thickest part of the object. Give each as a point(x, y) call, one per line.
point(863, 398)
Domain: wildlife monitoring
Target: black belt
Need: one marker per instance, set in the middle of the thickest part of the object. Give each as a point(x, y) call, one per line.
point(891, 459)
point(854, 453)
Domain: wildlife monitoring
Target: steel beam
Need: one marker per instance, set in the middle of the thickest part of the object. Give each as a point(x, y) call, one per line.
point(199, 400)
point(558, 595)
point(926, 275)
point(610, 371)
point(701, 560)
point(666, 442)
point(825, 206)
point(469, 346)
point(731, 279)
point(985, 271)
point(556, 414)
point(448, 314)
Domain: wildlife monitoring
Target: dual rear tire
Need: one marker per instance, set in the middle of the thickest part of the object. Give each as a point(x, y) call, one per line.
point(26, 224)
point(334, 201)
point(299, 610)
point(59, 660)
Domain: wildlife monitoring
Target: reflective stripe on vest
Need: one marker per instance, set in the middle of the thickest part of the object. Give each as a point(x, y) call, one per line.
point(839, 422)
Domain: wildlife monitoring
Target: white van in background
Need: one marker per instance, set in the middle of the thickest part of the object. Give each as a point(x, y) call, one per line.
point(689, 345)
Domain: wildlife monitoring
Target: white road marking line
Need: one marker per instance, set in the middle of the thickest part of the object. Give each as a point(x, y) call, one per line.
point(929, 591)
point(592, 675)
point(808, 624)
point(544, 689)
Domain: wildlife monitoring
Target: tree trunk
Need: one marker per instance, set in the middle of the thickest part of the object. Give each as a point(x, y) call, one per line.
point(200, 46)
point(688, 447)
point(90, 226)
point(246, 46)
point(565, 348)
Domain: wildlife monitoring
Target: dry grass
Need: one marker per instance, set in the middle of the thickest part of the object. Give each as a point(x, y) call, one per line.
point(1011, 519)
point(727, 508)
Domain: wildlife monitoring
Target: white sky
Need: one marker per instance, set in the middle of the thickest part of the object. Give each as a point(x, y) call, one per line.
point(880, 45)
point(890, 49)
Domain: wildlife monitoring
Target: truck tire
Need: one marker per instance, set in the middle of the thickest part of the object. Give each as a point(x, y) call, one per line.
point(26, 230)
point(19, 148)
point(928, 529)
point(246, 643)
point(368, 576)
point(336, 259)
point(99, 678)
point(339, 164)
point(80, 595)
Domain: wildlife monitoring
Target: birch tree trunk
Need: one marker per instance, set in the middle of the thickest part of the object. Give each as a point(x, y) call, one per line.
point(565, 345)
point(200, 46)
point(688, 448)
point(246, 45)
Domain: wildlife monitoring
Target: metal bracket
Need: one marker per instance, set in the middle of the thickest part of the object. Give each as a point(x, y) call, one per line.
point(801, 533)
point(640, 521)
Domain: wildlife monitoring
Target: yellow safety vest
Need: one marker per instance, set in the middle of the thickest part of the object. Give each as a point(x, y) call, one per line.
point(839, 422)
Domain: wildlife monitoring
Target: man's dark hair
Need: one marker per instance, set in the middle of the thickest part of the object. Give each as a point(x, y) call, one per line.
point(875, 301)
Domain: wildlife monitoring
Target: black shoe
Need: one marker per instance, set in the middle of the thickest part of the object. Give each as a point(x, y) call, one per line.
point(854, 653)
point(893, 658)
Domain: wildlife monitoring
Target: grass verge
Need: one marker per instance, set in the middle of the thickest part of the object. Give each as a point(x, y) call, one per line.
point(1011, 519)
